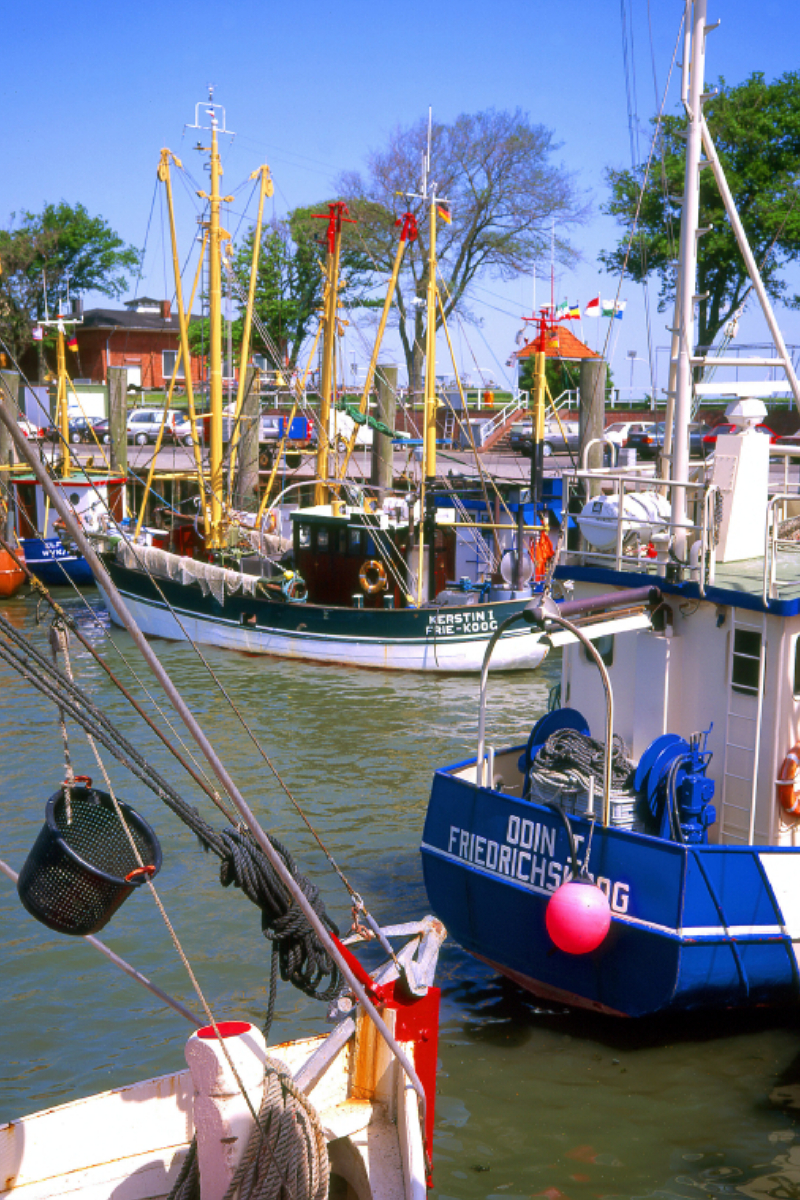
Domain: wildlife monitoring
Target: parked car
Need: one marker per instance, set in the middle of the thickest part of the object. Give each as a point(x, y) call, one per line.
point(618, 432)
point(710, 439)
point(32, 432)
point(648, 442)
point(144, 424)
point(555, 442)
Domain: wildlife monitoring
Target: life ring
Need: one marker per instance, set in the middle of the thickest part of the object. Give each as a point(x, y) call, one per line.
point(372, 577)
point(788, 782)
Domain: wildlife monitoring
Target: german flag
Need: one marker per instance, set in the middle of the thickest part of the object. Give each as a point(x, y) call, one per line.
point(72, 342)
point(443, 212)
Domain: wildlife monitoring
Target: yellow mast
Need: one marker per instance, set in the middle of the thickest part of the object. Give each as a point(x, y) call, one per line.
point(183, 315)
point(337, 215)
point(216, 236)
point(61, 403)
point(408, 233)
point(244, 353)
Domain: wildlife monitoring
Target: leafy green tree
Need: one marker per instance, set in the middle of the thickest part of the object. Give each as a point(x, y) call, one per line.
point(756, 130)
point(61, 244)
point(496, 169)
point(289, 284)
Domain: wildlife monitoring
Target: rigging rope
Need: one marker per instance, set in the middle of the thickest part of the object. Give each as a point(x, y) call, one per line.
point(296, 951)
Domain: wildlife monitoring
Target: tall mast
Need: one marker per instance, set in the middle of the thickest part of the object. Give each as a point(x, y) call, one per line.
point(692, 96)
point(336, 216)
point(216, 236)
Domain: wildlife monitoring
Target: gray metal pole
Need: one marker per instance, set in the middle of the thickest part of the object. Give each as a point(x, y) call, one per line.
point(105, 581)
point(382, 452)
point(118, 418)
point(592, 409)
point(246, 491)
point(9, 388)
point(692, 90)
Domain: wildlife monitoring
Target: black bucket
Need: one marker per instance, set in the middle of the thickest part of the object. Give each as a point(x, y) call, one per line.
point(81, 870)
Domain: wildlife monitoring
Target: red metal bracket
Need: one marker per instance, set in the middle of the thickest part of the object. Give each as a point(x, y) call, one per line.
point(408, 224)
point(338, 214)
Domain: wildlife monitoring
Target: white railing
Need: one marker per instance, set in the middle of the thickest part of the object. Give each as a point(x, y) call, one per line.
point(701, 564)
point(493, 423)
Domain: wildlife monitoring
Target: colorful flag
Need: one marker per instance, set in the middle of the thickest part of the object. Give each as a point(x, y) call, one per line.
point(562, 312)
point(443, 211)
point(614, 308)
point(72, 342)
point(38, 333)
point(574, 313)
point(592, 308)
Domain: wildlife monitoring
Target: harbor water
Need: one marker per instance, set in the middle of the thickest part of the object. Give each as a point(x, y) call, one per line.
point(532, 1101)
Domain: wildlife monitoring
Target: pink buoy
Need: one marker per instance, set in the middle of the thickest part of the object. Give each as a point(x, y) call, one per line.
point(578, 916)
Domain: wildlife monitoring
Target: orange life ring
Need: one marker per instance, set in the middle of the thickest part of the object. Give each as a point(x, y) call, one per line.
point(372, 577)
point(788, 781)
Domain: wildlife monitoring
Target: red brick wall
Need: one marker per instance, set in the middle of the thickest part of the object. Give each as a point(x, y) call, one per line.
point(128, 348)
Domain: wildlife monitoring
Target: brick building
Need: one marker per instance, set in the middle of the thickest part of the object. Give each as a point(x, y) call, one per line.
point(143, 337)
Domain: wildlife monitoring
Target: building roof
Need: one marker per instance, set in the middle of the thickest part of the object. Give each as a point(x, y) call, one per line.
point(557, 342)
point(122, 318)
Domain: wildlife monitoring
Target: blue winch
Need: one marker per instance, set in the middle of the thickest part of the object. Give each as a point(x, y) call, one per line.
point(671, 776)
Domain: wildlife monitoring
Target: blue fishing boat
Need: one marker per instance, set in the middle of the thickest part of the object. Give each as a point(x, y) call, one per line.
point(639, 852)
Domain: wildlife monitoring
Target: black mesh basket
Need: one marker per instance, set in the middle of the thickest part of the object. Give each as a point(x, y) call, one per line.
point(81, 870)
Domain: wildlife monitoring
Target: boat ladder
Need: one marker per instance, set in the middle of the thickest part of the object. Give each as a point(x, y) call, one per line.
point(747, 652)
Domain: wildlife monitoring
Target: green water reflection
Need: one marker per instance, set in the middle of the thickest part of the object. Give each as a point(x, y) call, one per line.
point(530, 1103)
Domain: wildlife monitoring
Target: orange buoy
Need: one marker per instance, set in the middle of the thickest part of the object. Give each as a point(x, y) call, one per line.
point(787, 785)
point(12, 575)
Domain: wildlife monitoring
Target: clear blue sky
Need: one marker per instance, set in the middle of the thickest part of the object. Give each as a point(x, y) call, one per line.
point(93, 91)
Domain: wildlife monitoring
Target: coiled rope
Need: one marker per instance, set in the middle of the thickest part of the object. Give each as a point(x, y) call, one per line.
point(286, 1157)
point(580, 757)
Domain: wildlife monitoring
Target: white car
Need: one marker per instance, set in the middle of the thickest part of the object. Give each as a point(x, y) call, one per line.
point(619, 430)
point(32, 432)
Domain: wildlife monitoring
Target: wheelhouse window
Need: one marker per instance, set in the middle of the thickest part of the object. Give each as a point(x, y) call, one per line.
point(605, 648)
point(354, 541)
point(746, 661)
point(323, 538)
point(304, 535)
point(168, 359)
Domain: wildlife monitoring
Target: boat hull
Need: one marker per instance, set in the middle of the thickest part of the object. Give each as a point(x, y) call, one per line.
point(53, 564)
point(692, 926)
point(451, 639)
point(12, 575)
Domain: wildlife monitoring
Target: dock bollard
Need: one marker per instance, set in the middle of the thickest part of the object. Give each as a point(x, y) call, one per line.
point(222, 1119)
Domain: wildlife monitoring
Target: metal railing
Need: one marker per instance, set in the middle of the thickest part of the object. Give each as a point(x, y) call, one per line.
point(700, 566)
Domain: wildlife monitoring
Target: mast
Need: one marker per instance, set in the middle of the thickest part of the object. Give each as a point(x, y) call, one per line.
point(692, 96)
point(216, 236)
point(338, 213)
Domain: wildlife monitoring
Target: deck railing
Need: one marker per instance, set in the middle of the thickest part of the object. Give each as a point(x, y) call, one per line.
point(656, 556)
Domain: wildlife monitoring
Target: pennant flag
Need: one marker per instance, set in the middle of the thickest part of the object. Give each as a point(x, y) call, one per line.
point(562, 312)
point(38, 333)
point(592, 308)
point(574, 313)
point(614, 308)
point(443, 211)
point(72, 342)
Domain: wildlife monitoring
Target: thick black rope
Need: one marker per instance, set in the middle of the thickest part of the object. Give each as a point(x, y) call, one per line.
point(567, 749)
point(296, 949)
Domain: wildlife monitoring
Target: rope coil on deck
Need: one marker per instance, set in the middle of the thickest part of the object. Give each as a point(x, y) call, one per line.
point(286, 1157)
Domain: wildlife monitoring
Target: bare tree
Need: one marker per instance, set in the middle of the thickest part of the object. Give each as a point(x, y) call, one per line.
point(504, 191)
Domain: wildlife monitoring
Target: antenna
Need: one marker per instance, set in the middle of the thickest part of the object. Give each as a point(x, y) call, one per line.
point(213, 112)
